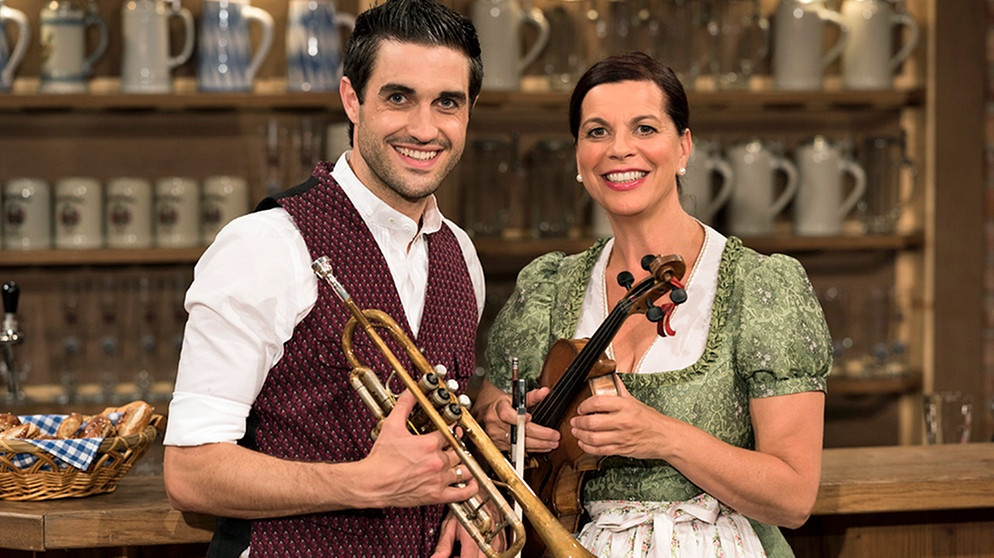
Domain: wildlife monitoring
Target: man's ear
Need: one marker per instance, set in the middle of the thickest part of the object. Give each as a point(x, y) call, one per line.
point(350, 99)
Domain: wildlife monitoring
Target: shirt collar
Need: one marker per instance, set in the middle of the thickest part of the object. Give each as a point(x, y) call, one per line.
point(375, 211)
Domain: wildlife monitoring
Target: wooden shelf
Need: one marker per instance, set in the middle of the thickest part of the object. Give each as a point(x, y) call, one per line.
point(271, 94)
point(54, 258)
point(910, 382)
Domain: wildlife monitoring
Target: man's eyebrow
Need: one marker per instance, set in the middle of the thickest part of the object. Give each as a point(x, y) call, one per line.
point(396, 88)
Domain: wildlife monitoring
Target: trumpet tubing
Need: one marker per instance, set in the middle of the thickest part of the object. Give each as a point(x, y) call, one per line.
point(439, 409)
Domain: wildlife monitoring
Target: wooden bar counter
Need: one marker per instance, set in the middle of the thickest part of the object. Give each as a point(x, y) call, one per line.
point(899, 501)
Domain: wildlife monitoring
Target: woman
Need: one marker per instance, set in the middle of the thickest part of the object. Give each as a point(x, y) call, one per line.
point(715, 438)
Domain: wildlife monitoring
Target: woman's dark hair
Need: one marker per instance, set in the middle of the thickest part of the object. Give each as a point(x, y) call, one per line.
point(632, 66)
point(423, 22)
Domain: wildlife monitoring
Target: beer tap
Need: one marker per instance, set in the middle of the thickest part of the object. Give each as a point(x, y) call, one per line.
point(10, 335)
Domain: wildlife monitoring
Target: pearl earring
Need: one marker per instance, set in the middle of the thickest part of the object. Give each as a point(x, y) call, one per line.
point(682, 171)
point(579, 177)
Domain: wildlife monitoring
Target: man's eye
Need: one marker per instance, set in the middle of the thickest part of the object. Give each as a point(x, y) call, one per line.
point(396, 98)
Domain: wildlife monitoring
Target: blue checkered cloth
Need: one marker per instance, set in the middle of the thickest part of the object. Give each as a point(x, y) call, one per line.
point(78, 453)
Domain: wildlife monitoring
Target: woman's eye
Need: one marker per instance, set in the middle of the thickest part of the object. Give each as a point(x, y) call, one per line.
point(645, 129)
point(596, 132)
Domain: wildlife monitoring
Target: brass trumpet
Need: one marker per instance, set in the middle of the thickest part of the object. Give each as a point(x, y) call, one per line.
point(432, 396)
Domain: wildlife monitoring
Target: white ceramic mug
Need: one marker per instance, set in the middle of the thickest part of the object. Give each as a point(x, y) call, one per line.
point(129, 213)
point(798, 61)
point(177, 212)
point(819, 206)
point(145, 59)
point(867, 61)
point(314, 45)
point(499, 24)
point(226, 59)
point(753, 205)
point(10, 58)
point(700, 198)
point(27, 214)
point(65, 66)
point(79, 213)
point(224, 198)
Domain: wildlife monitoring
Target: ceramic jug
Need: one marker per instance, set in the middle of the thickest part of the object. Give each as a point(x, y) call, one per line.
point(867, 60)
point(798, 60)
point(10, 58)
point(146, 60)
point(754, 203)
point(65, 66)
point(819, 206)
point(498, 25)
point(699, 194)
point(314, 45)
point(226, 61)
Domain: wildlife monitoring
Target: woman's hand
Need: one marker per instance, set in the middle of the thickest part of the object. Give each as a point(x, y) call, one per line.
point(619, 425)
point(495, 412)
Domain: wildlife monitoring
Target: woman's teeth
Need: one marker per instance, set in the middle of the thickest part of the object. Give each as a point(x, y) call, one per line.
point(621, 177)
point(419, 155)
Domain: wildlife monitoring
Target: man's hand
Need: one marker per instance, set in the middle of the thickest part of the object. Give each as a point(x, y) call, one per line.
point(411, 470)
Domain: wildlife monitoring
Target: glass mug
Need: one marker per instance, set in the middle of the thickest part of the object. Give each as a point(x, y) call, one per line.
point(568, 54)
point(890, 183)
point(557, 201)
point(740, 40)
point(486, 189)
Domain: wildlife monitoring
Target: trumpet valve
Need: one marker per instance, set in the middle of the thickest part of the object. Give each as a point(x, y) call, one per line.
point(441, 370)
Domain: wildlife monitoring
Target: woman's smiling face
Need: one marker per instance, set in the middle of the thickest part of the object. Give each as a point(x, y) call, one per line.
point(628, 148)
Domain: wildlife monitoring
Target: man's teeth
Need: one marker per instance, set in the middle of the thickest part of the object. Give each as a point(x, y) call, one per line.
point(625, 176)
point(419, 155)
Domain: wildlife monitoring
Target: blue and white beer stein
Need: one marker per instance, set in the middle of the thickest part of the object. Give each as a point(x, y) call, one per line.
point(226, 61)
point(11, 59)
point(65, 67)
point(314, 45)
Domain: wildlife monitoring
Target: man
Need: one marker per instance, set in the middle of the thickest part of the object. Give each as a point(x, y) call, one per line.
point(262, 361)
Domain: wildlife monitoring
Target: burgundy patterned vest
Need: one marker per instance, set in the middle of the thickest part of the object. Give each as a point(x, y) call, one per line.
point(307, 411)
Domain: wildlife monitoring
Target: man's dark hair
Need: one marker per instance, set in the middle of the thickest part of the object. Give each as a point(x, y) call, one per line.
point(422, 22)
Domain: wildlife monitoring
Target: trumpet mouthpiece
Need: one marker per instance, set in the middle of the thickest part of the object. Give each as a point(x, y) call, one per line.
point(322, 268)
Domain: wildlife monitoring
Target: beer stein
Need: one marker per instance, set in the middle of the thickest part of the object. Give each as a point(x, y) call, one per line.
point(819, 207)
point(753, 205)
point(223, 199)
point(698, 192)
point(890, 183)
point(65, 67)
point(79, 213)
point(498, 25)
point(867, 62)
point(10, 59)
point(226, 61)
point(740, 38)
point(129, 213)
point(145, 57)
point(314, 45)
point(27, 214)
point(176, 205)
point(798, 61)
point(683, 40)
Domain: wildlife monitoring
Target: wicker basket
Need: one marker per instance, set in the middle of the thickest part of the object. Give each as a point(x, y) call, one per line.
point(44, 480)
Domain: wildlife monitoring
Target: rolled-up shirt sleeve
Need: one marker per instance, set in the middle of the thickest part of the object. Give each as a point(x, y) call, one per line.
point(250, 289)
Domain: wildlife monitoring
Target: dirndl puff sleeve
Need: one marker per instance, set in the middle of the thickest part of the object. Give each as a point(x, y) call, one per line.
point(522, 328)
point(784, 346)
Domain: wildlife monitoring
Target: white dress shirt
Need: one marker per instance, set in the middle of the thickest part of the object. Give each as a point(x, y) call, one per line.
point(254, 284)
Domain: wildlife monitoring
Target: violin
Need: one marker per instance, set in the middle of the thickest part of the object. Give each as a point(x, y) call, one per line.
point(576, 369)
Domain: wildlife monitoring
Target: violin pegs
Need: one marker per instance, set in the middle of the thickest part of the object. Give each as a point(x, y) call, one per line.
point(678, 296)
point(626, 279)
point(647, 261)
point(654, 314)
